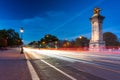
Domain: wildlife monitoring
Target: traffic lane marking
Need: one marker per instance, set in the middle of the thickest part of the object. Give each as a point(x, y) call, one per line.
point(67, 75)
point(33, 73)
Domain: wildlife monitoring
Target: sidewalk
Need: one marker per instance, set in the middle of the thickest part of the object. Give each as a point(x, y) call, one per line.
point(13, 65)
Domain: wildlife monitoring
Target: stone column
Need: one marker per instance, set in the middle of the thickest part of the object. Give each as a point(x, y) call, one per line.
point(96, 42)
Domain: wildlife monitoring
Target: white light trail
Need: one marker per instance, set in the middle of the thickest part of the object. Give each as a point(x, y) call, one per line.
point(62, 72)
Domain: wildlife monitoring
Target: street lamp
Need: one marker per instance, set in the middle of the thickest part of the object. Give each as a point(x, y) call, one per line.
point(56, 44)
point(80, 37)
point(21, 31)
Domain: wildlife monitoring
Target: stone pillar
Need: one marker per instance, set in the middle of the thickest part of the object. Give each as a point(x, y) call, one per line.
point(96, 42)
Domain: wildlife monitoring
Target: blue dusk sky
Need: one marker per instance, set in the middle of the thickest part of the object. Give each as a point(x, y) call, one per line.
point(66, 19)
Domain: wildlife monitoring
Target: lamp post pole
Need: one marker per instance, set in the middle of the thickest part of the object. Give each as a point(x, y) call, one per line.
point(21, 31)
point(56, 44)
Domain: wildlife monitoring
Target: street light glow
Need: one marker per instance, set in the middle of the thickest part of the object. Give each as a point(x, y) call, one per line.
point(21, 30)
point(43, 42)
point(80, 37)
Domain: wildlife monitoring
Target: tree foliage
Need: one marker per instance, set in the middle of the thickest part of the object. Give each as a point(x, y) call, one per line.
point(110, 39)
point(78, 42)
point(47, 41)
point(9, 38)
point(65, 43)
point(81, 42)
point(49, 38)
point(32, 43)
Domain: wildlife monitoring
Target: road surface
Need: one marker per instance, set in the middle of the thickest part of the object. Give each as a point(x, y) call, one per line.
point(65, 65)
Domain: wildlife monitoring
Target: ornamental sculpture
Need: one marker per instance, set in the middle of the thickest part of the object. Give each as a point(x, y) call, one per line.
point(96, 11)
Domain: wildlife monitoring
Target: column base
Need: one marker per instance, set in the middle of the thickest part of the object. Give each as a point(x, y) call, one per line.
point(97, 46)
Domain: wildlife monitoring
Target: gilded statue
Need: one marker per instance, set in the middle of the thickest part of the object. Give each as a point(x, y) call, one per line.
point(96, 10)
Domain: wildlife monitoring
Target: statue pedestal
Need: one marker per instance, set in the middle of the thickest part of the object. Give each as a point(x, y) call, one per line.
point(97, 45)
point(96, 42)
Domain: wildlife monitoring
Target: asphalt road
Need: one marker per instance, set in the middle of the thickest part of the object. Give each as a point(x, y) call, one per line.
point(51, 66)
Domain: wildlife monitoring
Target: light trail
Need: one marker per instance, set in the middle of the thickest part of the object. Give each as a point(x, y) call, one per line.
point(59, 55)
point(73, 56)
point(91, 64)
point(62, 72)
point(48, 53)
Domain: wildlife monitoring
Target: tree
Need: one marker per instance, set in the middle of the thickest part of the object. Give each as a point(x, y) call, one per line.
point(49, 40)
point(81, 42)
point(64, 43)
point(13, 38)
point(34, 44)
point(9, 38)
point(31, 43)
point(110, 39)
point(3, 38)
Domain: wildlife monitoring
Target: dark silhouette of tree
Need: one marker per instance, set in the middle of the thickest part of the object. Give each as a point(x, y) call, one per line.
point(9, 38)
point(78, 42)
point(64, 44)
point(3, 38)
point(13, 38)
point(34, 44)
point(81, 42)
point(110, 39)
point(48, 40)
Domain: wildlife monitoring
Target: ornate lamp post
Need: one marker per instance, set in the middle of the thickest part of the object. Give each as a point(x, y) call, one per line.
point(21, 31)
point(56, 44)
